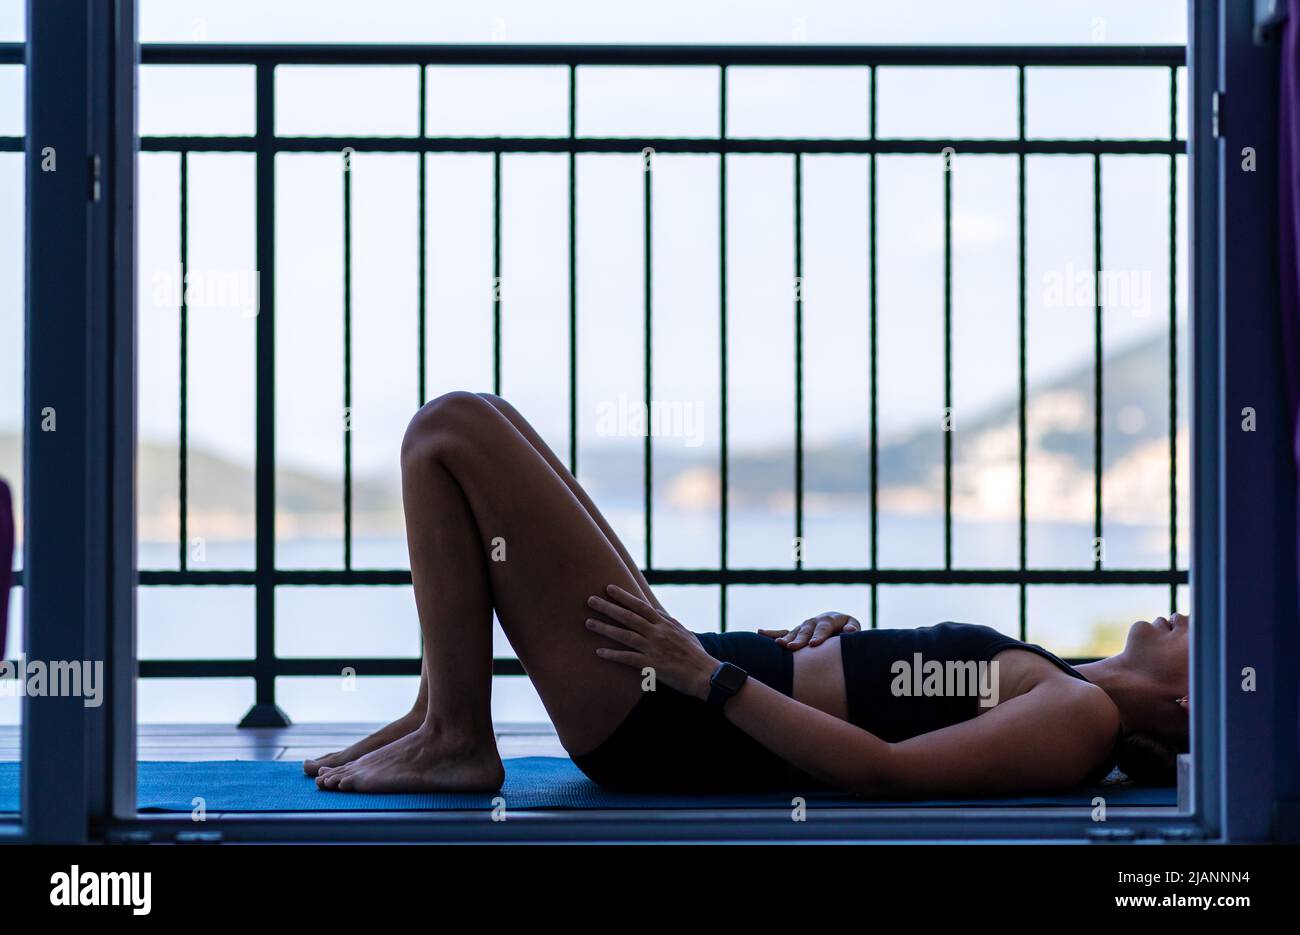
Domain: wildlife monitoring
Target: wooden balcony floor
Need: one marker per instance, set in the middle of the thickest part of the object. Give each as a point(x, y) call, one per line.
point(296, 742)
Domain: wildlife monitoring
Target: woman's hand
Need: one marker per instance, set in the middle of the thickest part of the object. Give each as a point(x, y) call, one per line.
point(653, 640)
point(814, 631)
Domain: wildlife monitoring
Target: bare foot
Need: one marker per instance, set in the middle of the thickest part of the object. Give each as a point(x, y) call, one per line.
point(385, 735)
point(422, 761)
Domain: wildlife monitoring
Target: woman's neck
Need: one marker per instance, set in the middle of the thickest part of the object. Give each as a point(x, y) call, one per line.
point(1113, 676)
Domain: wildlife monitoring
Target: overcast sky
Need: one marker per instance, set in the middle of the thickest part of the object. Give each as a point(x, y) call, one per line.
point(610, 287)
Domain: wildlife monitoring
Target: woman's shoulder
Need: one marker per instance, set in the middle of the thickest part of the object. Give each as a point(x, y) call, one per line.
point(1091, 712)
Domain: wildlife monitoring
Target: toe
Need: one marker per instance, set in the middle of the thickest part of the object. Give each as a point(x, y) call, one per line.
point(328, 761)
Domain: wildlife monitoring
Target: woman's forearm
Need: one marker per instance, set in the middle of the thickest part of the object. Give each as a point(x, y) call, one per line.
point(834, 751)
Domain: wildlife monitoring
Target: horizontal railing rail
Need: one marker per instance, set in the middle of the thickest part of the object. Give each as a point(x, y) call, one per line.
point(792, 54)
point(660, 144)
point(264, 577)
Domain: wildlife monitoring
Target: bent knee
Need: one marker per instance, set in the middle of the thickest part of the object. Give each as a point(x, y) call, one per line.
point(458, 415)
point(502, 406)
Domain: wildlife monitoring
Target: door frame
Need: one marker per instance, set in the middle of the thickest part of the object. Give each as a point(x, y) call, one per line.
point(79, 765)
point(79, 571)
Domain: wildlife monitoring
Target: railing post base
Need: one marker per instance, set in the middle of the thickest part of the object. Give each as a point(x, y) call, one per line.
point(265, 714)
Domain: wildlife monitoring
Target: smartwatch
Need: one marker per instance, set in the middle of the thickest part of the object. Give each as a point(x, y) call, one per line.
point(727, 679)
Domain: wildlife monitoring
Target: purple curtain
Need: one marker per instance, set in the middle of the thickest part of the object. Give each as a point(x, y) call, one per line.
point(6, 559)
point(1289, 226)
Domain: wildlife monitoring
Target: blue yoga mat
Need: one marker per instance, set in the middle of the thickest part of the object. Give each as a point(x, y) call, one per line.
point(534, 782)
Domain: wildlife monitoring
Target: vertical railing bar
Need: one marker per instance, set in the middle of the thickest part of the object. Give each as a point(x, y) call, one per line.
point(948, 423)
point(1098, 546)
point(573, 271)
point(1022, 359)
point(872, 351)
point(723, 478)
point(798, 359)
point(183, 441)
point(1173, 339)
point(647, 170)
point(264, 711)
point(423, 246)
point(496, 273)
point(347, 361)
point(1020, 102)
point(422, 272)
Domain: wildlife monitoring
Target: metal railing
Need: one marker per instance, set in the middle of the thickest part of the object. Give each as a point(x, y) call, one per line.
point(264, 577)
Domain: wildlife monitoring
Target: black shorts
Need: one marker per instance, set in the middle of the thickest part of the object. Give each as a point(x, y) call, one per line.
point(671, 742)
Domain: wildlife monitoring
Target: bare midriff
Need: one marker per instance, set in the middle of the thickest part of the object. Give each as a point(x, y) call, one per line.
point(819, 678)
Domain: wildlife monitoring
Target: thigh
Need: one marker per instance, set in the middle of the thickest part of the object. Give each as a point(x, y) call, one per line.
point(546, 556)
point(530, 434)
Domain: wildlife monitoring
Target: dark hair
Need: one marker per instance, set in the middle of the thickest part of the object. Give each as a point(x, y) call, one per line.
point(1147, 760)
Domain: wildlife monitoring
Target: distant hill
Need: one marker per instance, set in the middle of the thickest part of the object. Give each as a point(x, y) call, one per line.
point(221, 492)
point(1059, 448)
point(1059, 452)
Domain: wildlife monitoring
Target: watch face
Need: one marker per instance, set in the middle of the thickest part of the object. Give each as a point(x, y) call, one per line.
point(730, 678)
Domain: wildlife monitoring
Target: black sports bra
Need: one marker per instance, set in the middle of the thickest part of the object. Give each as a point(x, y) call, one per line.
point(905, 682)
